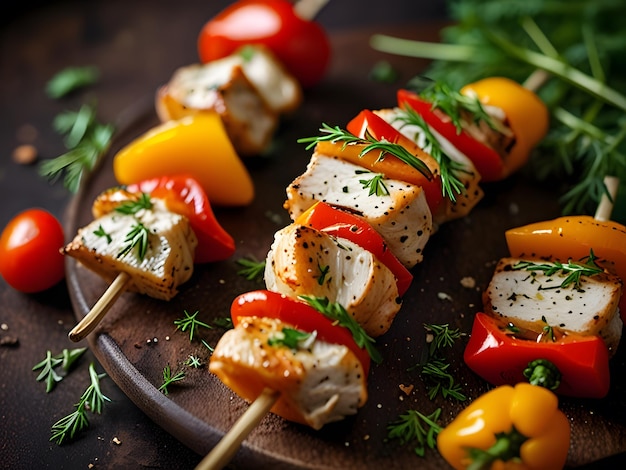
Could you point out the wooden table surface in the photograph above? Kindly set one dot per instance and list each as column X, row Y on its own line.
column 136, row 45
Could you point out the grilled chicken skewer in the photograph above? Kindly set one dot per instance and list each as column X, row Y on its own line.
column 145, row 238
column 401, row 213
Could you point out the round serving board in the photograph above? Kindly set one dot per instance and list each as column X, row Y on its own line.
column 138, row 338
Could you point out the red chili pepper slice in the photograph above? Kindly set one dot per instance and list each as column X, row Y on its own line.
column 340, row 223
column 501, row 358
column 264, row 303
column 487, row 161
column 184, row 195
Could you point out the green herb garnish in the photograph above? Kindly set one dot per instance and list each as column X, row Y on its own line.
column 190, row 322
column 169, row 379
column 252, row 269
column 132, row 207
column 573, row 270
column 70, row 79
column 86, row 140
column 337, row 135
column 289, row 338
column 336, row 312
column 451, row 185
column 66, row 359
column 415, row 427
column 136, row 238
column 92, row 399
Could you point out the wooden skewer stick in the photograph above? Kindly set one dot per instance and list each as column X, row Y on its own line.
column 100, row 308
column 308, row 9
column 603, row 212
column 224, row 451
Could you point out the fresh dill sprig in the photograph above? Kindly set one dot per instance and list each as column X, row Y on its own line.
column 190, row 322
column 572, row 270
column 66, row 360
column 337, row 135
column 451, row 185
column 169, row 379
column 193, row 361
column 433, row 366
column 100, row 232
column 136, row 238
column 86, row 141
column 336, row 312
column 92, row 399
column 417, row 429
column 134, row 206
column 252, row 269
column 451, row 102
column 376, row 185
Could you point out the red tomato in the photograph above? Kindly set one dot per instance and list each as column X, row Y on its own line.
column 301, row 45
column 30, row 260
column 487, row 161
column 185, row 196
column 264, row 303
column 340, row 223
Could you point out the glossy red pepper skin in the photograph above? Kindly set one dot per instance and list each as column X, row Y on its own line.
column 368, row 122
column 340, row 223
column 301, row 45
column 487, row 161
column 500, row 358
column 184, row 195
column 300, row 315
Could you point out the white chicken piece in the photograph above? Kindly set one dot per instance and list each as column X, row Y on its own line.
column 467, row 173
column 400, row 213
column 108, row 246
column 523, row 297
column 319, row 382
column 250, row 89
column 305, row 261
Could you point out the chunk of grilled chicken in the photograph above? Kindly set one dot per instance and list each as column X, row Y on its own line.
column 523, row 297
column 319, row 382
column 466, row 173
column 102, row 246
column 402, row 217
column 249, row 122
column 250, row 89
column 305, row 261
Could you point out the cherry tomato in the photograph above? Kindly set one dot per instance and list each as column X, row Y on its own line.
column 30, row 260
column 340, row 223
column 301, row 45
column 264, row 303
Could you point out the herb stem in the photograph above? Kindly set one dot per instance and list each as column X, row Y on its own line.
column 562, row 70
column 424, row 49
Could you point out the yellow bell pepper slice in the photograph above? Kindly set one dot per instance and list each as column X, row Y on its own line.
column 508, row 427
column 526, row 115
column 196, row 145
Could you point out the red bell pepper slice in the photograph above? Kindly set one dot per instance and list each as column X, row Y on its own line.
column 184, row 195
column 340, row 223
column 369, row 123
column 487, row 161
column 300, row 315
column 501, row 358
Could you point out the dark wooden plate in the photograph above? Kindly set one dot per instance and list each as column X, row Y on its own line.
column 138, row 338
